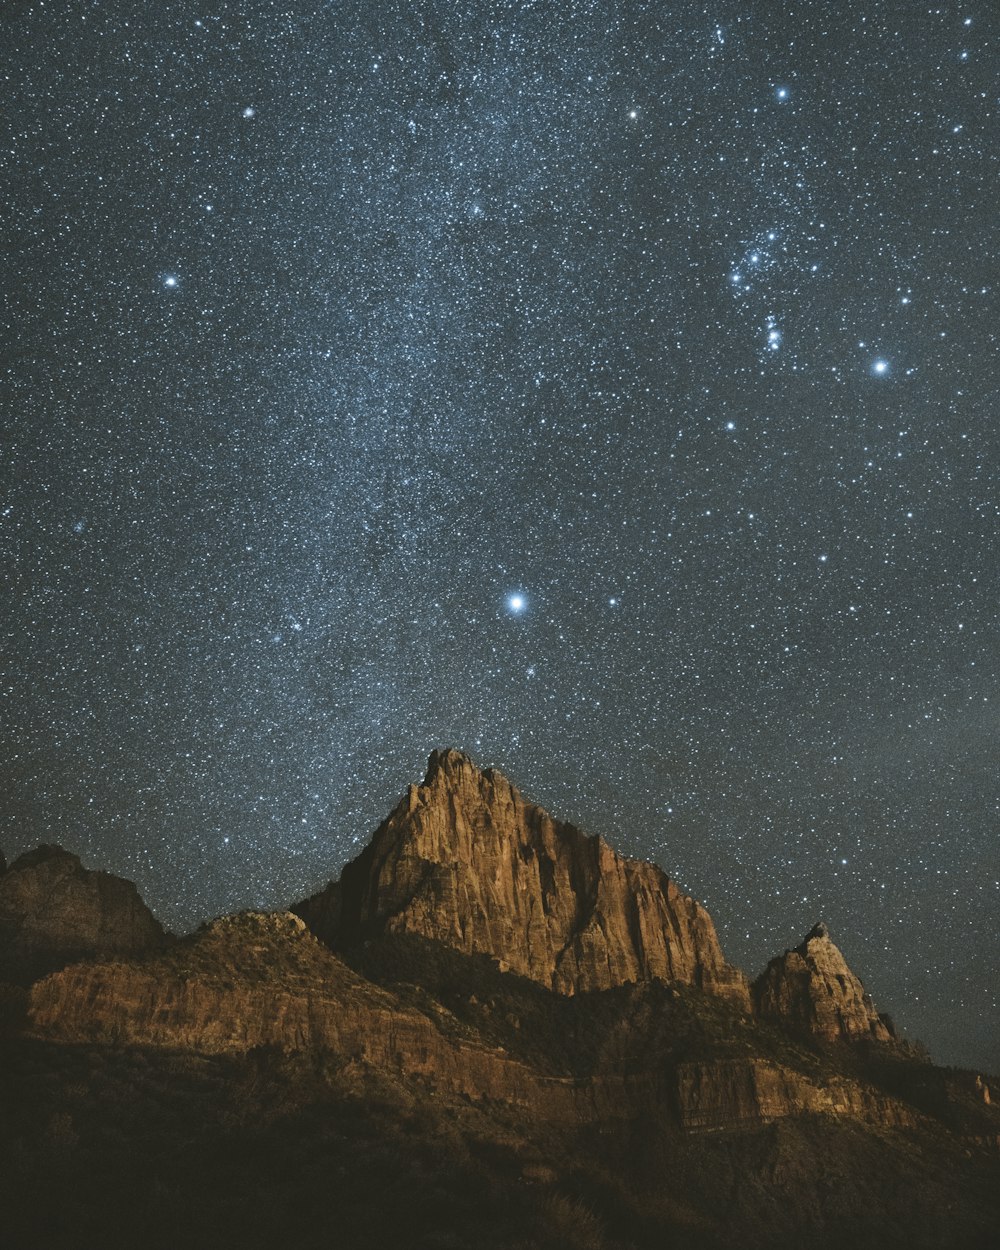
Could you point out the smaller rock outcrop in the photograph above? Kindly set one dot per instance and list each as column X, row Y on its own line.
column 812, row 988
column 727, row 1094
column 53, row 912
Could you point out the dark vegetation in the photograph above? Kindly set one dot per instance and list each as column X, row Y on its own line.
column 125, row 1147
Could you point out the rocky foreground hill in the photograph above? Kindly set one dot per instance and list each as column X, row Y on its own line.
column 491, row 1031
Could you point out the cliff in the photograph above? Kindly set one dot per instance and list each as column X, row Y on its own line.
column 251, row 1079
column 257, row 980
column 812, row 988
column 53, row 911
column 466, row 861
column 262, row 980
column 732, row 1094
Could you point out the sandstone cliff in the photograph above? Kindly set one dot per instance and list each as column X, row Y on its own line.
column 53, row 911
column 812, row 988
column 730, row 1094
column 466, row 861
column 263, row 980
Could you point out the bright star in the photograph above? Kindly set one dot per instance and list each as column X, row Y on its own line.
column 516, row 603
column 880, row 367
column 249, row 112
column 171, row 280
column 781, row 93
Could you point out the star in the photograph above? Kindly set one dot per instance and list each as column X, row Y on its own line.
column 352, row 371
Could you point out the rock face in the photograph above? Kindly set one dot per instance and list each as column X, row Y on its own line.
column 262, row 979
column 812, row 988
column 729, row 1094
column 53, row 911
column 464, row 860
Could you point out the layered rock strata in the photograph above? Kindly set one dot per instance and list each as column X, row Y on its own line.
column 53, row 911
column 812, row 988
column 730, row 1094
column 466, row 861
column 261, row 979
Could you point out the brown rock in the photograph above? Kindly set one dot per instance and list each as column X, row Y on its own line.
column 262, row 979
column 812, row 988
column 53, row 911
column 729, row 1094
column 466, row 861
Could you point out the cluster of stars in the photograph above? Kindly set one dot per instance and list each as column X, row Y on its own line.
column 605, row 391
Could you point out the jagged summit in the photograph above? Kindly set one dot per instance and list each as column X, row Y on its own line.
column 811, row 986
column 447, row 758
column 466, row 861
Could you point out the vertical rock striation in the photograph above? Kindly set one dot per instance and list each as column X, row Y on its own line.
column 53, row 911
column 466, row 861
column 812, row 988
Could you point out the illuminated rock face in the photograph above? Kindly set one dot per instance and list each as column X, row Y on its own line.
column 466, row 861
column 811, row 987
column 53, row 912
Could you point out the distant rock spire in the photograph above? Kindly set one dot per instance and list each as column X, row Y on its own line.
column 812, row 987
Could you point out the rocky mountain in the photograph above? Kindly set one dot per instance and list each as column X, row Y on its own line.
column 53, row 912
column 492, row 1031
column 263, row 980
column 813, row 988
column 466, row 861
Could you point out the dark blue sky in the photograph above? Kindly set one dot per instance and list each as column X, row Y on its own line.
column 331, row 328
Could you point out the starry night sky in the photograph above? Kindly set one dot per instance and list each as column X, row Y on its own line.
column 607, row 390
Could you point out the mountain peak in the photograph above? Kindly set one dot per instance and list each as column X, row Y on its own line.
column 813, row 986
column 53, row 911
column 448, row 759
column 46, row 852
column 466, row 861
